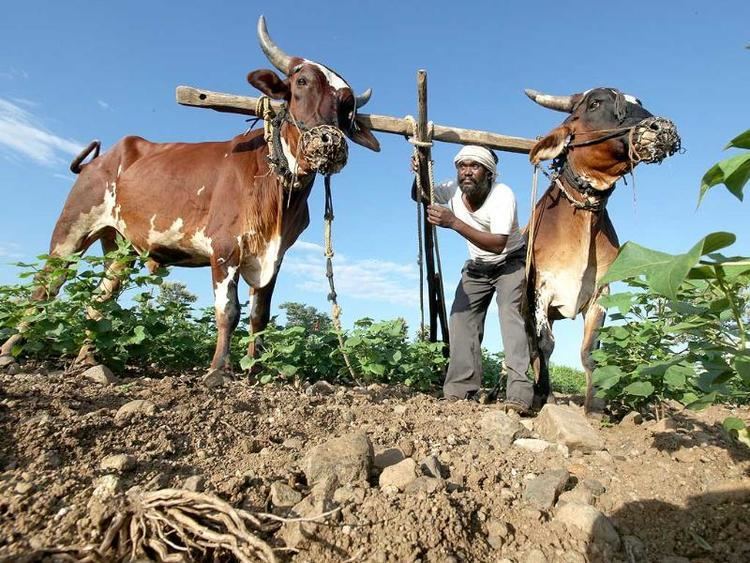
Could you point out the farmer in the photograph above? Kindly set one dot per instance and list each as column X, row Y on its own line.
column 484, row 213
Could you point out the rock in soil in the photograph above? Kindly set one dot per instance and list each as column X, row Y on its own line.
column 100, row 374
column 568, row 426
column 348, row 458
column 139, row 406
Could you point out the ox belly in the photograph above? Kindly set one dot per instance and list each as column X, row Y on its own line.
column 565, row 292
column 259, row 265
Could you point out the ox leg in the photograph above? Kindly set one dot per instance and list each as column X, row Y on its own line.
column 47, row 285
column 260, row 314
column 593, row 320
column 227, row 307
column 546, row 345
column 108, row 288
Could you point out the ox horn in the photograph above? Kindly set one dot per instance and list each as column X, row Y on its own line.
column 559, row 103
column 278, row 58
column 363, row 98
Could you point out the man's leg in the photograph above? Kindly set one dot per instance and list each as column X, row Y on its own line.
column 510, row 287
column 473, row 296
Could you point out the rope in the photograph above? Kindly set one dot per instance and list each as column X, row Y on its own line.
column 420, row 194
column 532, row 224
column 335, row 308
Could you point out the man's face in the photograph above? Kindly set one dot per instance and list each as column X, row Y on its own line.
column 472, row 177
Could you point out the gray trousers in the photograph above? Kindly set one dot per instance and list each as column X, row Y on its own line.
column 468, row 313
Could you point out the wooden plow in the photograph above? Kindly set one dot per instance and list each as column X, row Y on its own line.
column 421, row 134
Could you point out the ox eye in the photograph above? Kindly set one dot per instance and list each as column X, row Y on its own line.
column 301, row 81
column 594, row 104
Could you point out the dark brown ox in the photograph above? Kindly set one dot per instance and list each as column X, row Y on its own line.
column 218, row 204
column 574, row 242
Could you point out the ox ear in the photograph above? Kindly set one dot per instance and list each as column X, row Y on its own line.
column 551, row 145
column 268, row 82
column 364, row 137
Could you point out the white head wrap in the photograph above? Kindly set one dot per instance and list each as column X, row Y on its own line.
column 478, row 154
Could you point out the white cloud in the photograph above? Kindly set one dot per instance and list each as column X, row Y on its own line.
column 102, row 104
column 14, row 73
column 370, row 279
column 22, row 135
column 10, row 250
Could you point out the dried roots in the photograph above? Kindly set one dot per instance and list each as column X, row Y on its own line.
column 174, row 525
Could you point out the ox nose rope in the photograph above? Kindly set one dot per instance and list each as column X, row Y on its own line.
column 335, row 308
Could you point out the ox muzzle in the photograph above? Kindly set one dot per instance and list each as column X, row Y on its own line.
column 653, row 140
column 324, row 148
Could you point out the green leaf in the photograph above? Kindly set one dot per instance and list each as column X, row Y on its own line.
column 377, row 369
column 664, row 272
column 288, row 370
column 397, row 355
column 733, row 172
column 703, row 402
column 731, row 423
column 639, row 389
column 265, row 379
column 247, row 362
column 741, row 365
column 741, row 141
column 676, row 376
column 622, row 301
column 139, row 335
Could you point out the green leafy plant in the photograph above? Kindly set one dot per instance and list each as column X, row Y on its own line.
column 682, row 334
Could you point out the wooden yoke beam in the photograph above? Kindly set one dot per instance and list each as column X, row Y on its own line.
column 229, row 103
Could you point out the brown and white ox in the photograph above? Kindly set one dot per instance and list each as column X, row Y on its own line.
column 574, row 242
column 217, row 204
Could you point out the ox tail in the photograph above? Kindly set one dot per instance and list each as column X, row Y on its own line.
column 76, row 166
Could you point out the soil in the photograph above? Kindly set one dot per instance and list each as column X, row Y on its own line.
column 674, row 491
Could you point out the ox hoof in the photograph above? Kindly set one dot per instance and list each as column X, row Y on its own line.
column 7, row 361
column 215, row 378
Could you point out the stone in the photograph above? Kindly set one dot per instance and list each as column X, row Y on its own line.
column 535, row 556
column 498, row 533
column 674, row 559
column 431, row 467
column 634, row 548
column 580, row 495
column 6, row 361
column 194, row 483
column 100, row 374
column 387, row 457
column 349, row 458
column 214, row 378
column 284, row 496
column 567, row 426
column 587, row 521
column 321, row 387
column 501, row 428
column 596, row 487
column 22, row 487
column 319, row 501
column 633, row 418
column 664, row 425
column 139, row 406
column 293, row 443
column 542, row 491
column 399, row 475
column 427, row 485
column 99, row 508
column 13, row 369
column 532, row 445
column 118, row 462
column 407, row 447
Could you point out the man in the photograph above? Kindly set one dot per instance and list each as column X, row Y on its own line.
column 484, row 213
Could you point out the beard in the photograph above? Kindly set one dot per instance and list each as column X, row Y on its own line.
column 473, row 190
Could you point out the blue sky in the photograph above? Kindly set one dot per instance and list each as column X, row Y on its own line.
column 74, row 71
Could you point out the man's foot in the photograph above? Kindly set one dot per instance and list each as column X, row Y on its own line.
column 516, row 406
column 472, row 396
